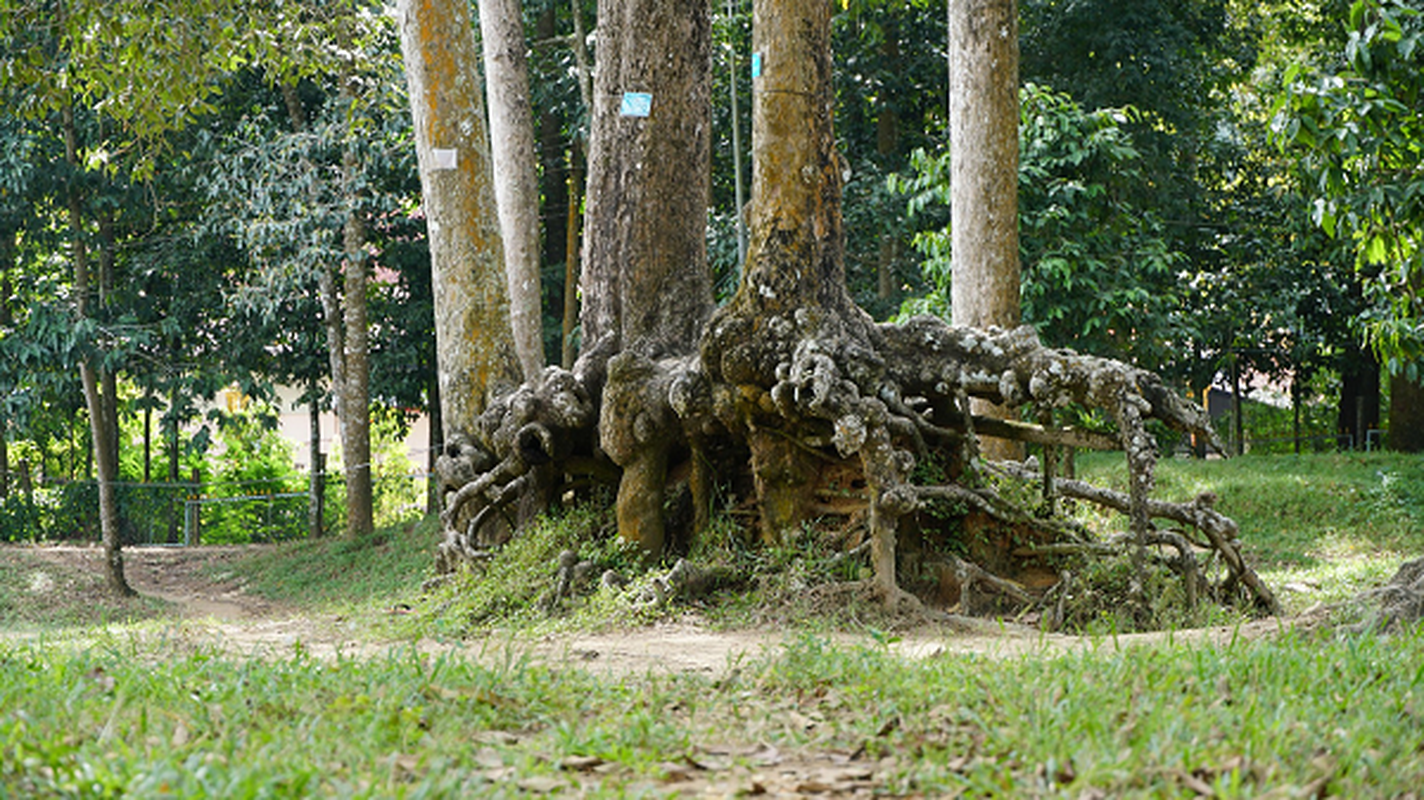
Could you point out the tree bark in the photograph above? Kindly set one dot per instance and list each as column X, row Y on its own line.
column 516, row 187
column 316, row 469
column 1406, row 414
column 984, row 117
column 474, row 342
column 7, row 260
column 355, row 411
column 568, row 351
column 644, row 279
column 647, row 292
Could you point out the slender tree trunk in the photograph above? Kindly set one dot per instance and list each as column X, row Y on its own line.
column 109, row 380
column 436, row 447
column 356, row 385
column 553, row 164
column 516, row 187
column 474, row 341
column 568, row 350
column 177, row 494
column 92, row 379
column 316, row 471
column 7, row 259
column 984, row 117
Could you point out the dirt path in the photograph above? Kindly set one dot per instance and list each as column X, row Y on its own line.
column 214, row 610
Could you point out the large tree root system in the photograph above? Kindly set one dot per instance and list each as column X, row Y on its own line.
column 863, row 430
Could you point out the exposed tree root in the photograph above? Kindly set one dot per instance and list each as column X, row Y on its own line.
column 810, row 399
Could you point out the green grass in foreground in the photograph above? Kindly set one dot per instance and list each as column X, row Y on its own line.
column 1343, row 717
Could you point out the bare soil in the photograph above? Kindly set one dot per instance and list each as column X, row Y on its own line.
column 209, row 606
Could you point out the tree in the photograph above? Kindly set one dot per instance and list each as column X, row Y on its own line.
column 516, row 189
column 824, row 419
column 146, row 71
column 1358, row 126
column 474, row 341
column 983, row 119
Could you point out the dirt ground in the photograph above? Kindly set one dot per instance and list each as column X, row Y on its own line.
column 213, row 609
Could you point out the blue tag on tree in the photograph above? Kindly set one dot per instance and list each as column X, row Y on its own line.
column 636, row 104
column 756, row 65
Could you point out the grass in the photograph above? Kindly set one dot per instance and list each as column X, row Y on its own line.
column 1333, row 713
column 1343, row 716
column 339, row 573
column 87, row 601
column 1324, row 525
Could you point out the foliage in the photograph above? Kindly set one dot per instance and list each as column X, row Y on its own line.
column 1099, row 271
column 252, row 461
column 1357, row 126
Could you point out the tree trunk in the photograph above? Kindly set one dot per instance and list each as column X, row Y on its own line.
column 567, row 347
column 984, row 118
column 90, row 374
column 316, row 481
column 647, row 291
column 645, row 284
column 516, row 187
column 474, row 342
column 355, row 386
column 793, row 283
column 7, row 260
column 553, row 164
column 1406, row 414
column 436, row 446
column 1359, row 407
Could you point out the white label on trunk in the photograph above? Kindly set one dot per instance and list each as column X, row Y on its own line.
column 444, row 158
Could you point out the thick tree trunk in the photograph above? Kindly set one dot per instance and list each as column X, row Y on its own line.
column 645, row 283
column 474, row 343
column 1406, row 414
column 516, row 187
column 793, row 283
column 984, row 118
column 646, row 287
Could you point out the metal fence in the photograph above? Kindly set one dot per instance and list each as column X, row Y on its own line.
column 196, row 512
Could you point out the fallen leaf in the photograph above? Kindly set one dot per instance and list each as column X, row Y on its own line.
column 541, row 784
column 580, row 763
column 489, row 758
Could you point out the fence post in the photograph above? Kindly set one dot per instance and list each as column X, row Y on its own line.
column 192, row 523
column 316, row 503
